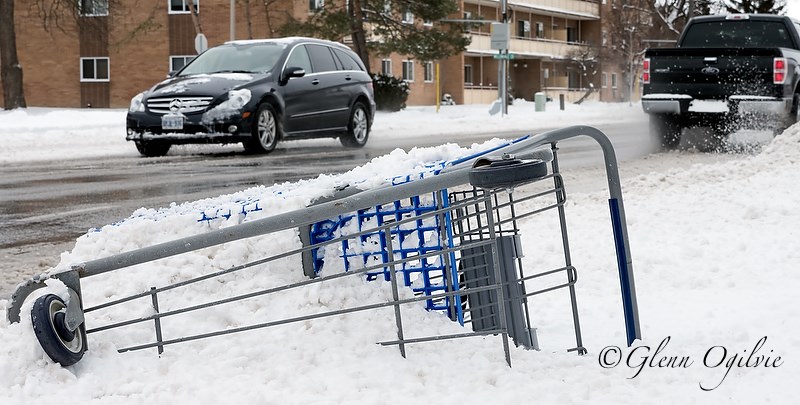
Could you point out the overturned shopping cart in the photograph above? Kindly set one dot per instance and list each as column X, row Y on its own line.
column 451, row 234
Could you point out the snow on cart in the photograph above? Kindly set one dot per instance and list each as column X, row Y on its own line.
column 445, row 237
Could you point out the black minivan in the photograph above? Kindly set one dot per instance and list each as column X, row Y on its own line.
column 257, row 92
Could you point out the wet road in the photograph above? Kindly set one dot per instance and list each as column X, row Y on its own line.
column 45, row 206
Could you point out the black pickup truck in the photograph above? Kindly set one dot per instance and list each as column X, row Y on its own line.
column 727, row 72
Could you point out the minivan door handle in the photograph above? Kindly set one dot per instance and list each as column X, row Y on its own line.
column 315, row 81
column 348, row 77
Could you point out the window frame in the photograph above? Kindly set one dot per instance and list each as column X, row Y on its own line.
column 186, row 59
column 408, row 74
column 539, row 33
column 604, row 80
column 186, row 9
column 384, row 64
column 468, row 82
column 428, row 73
column 93, row 14
column 95, row 79
column 315, row 6
column 522, row 32
column 613, row 80
column 407, row 17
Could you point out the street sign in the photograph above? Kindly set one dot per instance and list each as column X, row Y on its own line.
column 501, row 34
column 200, row 43
column 508, row 56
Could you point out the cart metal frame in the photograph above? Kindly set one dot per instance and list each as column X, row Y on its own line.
column 454, row 175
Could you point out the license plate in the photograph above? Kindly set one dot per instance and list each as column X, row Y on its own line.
column 172, row 122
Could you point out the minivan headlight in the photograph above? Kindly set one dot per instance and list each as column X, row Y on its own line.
column 136, row 103
column 237, row 99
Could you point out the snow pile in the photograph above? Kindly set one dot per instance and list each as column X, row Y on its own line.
column 714, row 251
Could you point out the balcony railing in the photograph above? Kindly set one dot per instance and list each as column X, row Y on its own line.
column 527, row 47
column 590, row 8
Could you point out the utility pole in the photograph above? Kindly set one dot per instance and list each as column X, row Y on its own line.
column 504, row 62
column 233, row 20
column 630, row 75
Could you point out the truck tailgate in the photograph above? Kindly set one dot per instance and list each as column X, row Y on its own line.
column 712, row 73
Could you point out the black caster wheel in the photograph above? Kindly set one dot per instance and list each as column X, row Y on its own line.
column 50, row 326
column 506, row 173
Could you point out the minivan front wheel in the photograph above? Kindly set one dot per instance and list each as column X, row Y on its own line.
column 265, row 131
column 358, row 127
column 152, row 148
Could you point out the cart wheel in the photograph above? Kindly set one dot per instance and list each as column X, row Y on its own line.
column 507, row 172
column 62, row 345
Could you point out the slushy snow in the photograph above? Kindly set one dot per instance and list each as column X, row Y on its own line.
column 715, row 253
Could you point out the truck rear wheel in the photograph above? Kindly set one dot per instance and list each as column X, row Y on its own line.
column 793, row 116
column 667, row 129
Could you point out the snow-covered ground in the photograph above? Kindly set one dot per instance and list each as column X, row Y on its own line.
column 45, row 133
column 715, row 252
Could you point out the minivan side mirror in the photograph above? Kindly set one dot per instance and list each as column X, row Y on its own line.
column 290, row 72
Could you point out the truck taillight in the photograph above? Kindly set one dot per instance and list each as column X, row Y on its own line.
column 779, row 70
column 646, row 71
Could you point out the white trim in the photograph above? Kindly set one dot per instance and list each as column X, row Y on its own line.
column 383, row 71
column 80, row 9
column 409, row 63
column 96, row 58
column 425, row 67
column 187, row 11
column 604, row 80
column 318, row 5
column 185, row 57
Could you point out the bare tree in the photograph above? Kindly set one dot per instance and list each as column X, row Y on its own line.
column 10, row 69
column 397, row 23
column 586, row 60
column 64, row 15
column 198, row 27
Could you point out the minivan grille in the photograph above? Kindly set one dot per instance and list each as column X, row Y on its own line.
column 186, row 105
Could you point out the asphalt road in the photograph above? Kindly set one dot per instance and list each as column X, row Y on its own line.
column 45, row 206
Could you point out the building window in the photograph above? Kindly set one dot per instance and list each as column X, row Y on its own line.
column 429, row 71
column 468, row 74
column 386, row 67
column 467, row 15
column 539, row 30
column 523, row 28
column 315, row 5
column 613, row 80
column 427, row 23
column 604, row 80
column 408, row 70
column 94, row 70
column 182, row 6
column 605, row 38
column 408, row 17
column 572, row 34
column 178, row 62
column 91, row 8
column 573, row 80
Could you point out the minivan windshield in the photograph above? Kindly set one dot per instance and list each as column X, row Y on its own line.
column 737, row 34
column 235, row 58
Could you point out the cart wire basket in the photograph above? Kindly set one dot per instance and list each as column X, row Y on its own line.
column 450, row 233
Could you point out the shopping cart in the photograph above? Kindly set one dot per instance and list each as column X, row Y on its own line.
column 450, row 233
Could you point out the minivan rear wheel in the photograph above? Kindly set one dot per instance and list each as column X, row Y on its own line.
column 265, row 131
column 357, row 128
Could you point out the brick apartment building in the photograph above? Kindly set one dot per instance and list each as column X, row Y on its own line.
column 112, row 50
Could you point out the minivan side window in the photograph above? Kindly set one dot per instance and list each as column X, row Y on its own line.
column 347, row 61
column 321, row 58
column 299, row 58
